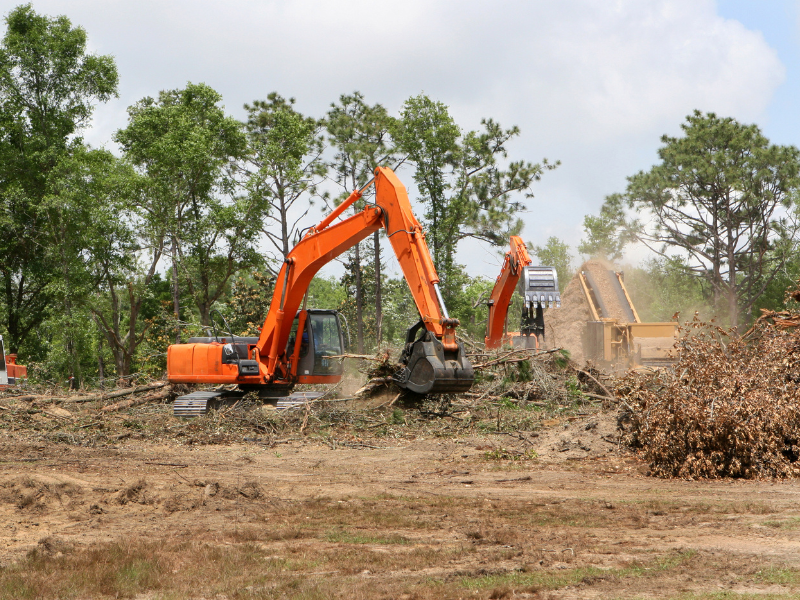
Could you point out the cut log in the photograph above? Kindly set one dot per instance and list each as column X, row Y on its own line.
column 119, row 393
column 371, row 385
column 133, row 402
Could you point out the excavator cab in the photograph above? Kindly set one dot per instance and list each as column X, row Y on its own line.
column 320, row 340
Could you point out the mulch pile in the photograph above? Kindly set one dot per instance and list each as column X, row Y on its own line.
column 729, row 407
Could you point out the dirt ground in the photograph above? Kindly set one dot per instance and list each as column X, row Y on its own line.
column 559, row 512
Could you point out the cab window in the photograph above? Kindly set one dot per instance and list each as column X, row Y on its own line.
column 327, row 342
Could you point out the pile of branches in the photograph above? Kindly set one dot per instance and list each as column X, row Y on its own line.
column 539, row 377
column 151, row 392
column 729, row 408
column 520, row 376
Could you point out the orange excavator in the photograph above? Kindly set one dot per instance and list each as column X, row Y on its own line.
column 297, row 344
column 538, row 287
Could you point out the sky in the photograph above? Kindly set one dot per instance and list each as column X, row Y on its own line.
column 594, row 84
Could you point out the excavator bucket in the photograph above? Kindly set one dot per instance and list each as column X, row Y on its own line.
column 430, row 369
column 539, row 287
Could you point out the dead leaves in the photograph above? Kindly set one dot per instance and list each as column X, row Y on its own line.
column 728, row 409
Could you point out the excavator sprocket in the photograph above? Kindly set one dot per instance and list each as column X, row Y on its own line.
column 430, row 369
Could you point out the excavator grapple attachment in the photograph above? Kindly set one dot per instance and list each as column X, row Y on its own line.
column 431, row 369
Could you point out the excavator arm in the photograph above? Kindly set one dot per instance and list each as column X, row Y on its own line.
column 538, row 287
column 503, row 291
column 435, row 362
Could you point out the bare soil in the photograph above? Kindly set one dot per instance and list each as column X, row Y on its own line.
column 557, row 511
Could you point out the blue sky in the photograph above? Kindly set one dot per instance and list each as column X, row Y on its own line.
column 779, row 22
column 593, row 84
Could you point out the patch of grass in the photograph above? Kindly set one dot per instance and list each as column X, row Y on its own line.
column 787, row 524
column 137, row 574
column 545, row 579
column 555, row 579
column 507, row 404
column 509, row 454
column 729, row 595
column 348, row 537
column 13, row 586
column 778, row 576
column 704, row 508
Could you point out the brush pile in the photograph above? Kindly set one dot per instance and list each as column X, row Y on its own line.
column 526, row 376
column 729, row 408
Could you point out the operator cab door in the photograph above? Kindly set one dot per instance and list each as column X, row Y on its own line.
column 321, row 339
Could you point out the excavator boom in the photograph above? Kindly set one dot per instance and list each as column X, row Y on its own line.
column 503, row 291
column 538, row 287
column 433, row 363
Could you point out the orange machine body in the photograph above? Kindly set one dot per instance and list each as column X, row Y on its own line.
column 15, row 372
column 502, row 293
column 200, row 363
column 267, row 360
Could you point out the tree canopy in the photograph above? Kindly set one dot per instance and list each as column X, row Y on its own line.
column 721, row 196
column 49, row 85
column 467, row 189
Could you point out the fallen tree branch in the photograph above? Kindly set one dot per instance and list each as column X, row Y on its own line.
column 505, row 358
column 360, row 356
column 599, row 397
column 602, row 387
column 26, row 398
column 371, row 385
column 134, row 402
column 119, row 393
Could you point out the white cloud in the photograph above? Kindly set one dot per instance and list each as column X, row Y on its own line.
column 594, row 84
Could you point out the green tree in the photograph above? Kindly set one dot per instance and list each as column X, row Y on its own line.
column 125, row 257
column 608, row 233
column 48, row 87
column 555, row 253
column 466, row 190
column 360, row 135
column 90, row 236
column 285, row 165
column 250, row 298
column 719, row 196
column 398, row 310
column 186, row 146
column 471, row 311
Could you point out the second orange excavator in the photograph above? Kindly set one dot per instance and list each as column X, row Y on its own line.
column 296, row 344
column 538, row 287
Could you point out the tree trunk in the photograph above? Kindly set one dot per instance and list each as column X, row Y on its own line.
column 205, row 313
column 176, row 302
column 733, row 305
column 732, row 288
column 101, row 370
column 12, row 325
column 359, row 302
column 378, row 310
column 284, row 224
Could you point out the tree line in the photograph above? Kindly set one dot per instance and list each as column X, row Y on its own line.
column 720, row 214
column 105, row 259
